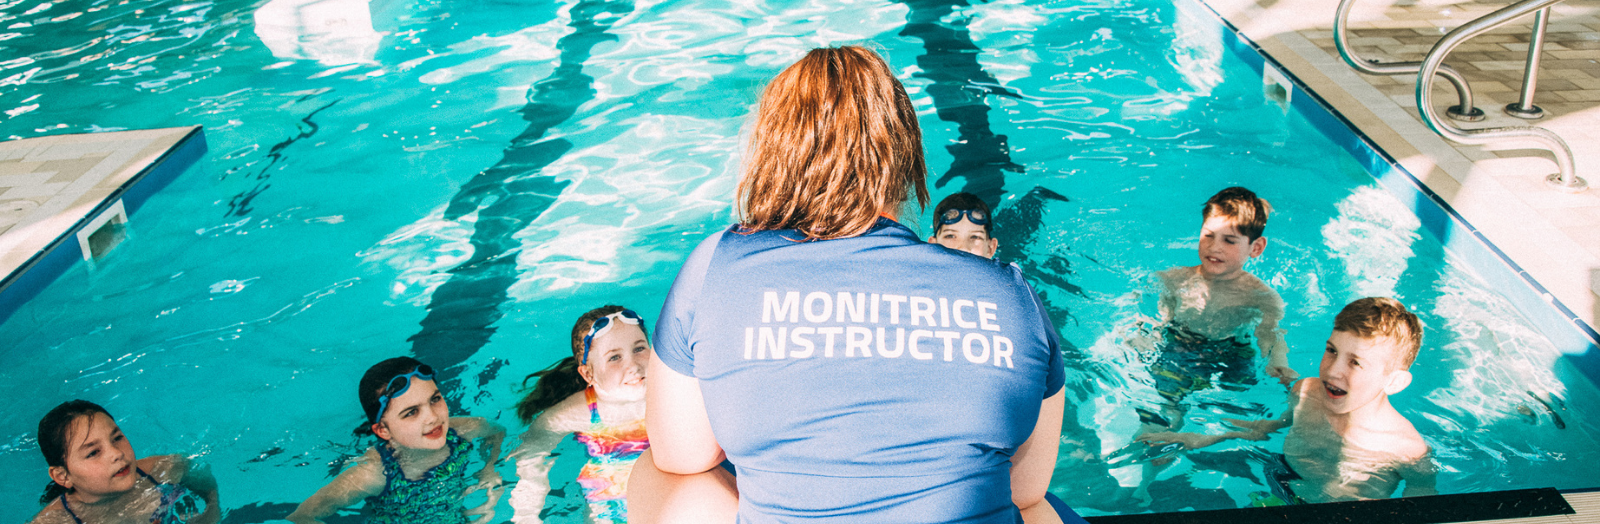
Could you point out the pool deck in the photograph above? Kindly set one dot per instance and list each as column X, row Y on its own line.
column 50, row 187
column 1498, row 188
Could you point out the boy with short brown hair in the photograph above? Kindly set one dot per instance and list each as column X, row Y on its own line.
column 1215, row 310
column 1345, row 441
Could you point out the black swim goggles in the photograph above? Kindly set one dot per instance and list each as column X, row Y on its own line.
column 398, row 386
column 604, row 323
column 976, row 216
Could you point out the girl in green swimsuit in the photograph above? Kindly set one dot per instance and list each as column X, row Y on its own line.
column 418, row 473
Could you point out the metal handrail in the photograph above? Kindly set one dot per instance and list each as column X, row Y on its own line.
column 1463, row 111
column 1524, row 108
column 1567, row 180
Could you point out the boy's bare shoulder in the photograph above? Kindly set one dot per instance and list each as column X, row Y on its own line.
column 1393, row 434
column 1409, row 443
column 1257, row 291
column 1300, row 387
column 1251, row 282
column 1174, row 277
column 1175, row 273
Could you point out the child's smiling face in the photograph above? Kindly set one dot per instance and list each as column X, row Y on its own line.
column 616, row 363
column 417, row 419
column 1224, row 250
column 1357, row 370
column 966, row 236
column 99, row 462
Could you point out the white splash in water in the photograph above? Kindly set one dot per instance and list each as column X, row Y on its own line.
column 1372, row 235
column 530, row 45
column 231, row 286
column 422, row 253
column 1496, row 357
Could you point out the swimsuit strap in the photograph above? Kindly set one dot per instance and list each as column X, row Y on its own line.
column 594, row 405
column 69, row 509
column 74, row 515
column 166, row 511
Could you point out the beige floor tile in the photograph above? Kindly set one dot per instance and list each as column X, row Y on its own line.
column 25, row 179
column 33, row 190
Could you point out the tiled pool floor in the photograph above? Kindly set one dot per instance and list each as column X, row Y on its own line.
column 1498, row 188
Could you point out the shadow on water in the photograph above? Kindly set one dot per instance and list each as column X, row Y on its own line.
column 958, row 90
column 507, row 197
column 981, row 158
column 239, row 205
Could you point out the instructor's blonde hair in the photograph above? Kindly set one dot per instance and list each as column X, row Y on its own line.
column 835, row 143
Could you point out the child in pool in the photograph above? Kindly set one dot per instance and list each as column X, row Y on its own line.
column 1213, row 311
column 96, row 478
column 597, row 394
column 1210, row 315
column 962, row 222
column 418, row 473
column 1345, row 441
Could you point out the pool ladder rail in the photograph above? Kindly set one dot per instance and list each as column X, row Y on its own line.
column 1433, row 65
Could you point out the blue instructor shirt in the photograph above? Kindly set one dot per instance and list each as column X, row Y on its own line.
column 876, row 378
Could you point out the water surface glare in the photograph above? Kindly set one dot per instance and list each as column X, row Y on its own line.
column 460, row 182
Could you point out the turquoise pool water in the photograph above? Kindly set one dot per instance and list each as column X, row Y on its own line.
column 461, row 182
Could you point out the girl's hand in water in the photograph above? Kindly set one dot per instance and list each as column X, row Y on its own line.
column 1189, row 440
column 1254, row 429
column 490, row 483
column 1283, row 373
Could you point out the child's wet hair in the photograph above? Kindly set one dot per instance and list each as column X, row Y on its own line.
column 1383, row 317
column 54, row 430
column 375, row 383
column 562, row 379
column 1246, row 211
column 962, row 201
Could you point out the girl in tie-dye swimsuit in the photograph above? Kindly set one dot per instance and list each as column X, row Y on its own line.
column 95, row 476
column 597, row 395
column 612, row 450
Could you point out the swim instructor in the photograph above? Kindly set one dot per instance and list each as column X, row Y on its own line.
column 852, row 372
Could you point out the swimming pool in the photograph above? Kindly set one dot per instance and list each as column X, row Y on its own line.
column 462, row 184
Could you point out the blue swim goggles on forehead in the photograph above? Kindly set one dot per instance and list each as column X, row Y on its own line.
column 398, row 386
column 976, row 216
column 602, row 324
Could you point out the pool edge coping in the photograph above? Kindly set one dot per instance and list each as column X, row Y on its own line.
column 60, row 253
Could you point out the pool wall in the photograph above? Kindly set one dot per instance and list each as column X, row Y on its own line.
column 1566, row 330
column 61, row 253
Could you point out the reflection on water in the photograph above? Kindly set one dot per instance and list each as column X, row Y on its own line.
column 494, row 172
column 1372, row 238
column 333, row 32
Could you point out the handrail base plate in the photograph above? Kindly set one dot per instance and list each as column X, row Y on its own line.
column 1578, row 185
column 1455, row 113
column 1532, row 113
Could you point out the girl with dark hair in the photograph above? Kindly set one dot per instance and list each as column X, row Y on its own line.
column 597, row 395
column 95, row 476
column 418, row 472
